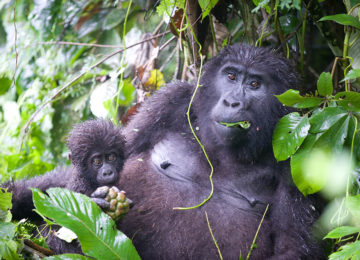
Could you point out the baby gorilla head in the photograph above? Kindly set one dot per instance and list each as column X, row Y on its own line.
column 97, row 151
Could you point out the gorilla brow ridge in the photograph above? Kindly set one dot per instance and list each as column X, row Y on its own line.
column 91, row 135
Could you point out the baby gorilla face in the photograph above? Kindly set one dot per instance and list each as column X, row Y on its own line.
column 105, row 167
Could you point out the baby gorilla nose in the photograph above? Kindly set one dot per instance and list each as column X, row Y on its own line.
column 108, row 172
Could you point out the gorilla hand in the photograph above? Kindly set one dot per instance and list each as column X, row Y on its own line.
column 112, row 201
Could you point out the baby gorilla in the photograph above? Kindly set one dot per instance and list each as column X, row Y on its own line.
column 97, row 154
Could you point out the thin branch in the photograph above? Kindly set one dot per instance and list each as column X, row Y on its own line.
column 16, row 52
column 166, row 43
column 168, row 58
column 42, row 250
column 25, row 129
column 81, row 44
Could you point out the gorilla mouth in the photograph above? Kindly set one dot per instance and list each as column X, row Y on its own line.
column 241, row 124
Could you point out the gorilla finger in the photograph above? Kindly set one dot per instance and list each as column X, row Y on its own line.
column 103, row 204
column 131, row 203
column 100, row 192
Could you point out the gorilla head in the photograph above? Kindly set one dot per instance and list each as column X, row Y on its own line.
column 236, row 106
column 97, row 151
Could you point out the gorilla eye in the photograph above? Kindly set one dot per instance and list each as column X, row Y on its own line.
column 97, row 161
column 254, row 84
column 231, row 76
column 111, row 157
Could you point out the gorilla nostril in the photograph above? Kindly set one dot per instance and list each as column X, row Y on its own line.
column 235, row 104
column 226, row 103
column 108, row 173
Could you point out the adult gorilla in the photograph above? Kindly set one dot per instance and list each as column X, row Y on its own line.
column 166, row 167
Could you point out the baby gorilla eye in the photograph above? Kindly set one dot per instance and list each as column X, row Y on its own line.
column 255, row 84
column 97, row 161
column 231, row 76
column 111, row 157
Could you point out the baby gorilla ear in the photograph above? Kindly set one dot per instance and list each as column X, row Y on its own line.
column 70, row 157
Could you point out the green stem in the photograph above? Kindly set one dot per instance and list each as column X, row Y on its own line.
column 302, row 41
column 213, row 33
column 346, row 50
column 257, row 233
column 259, row 41
column 353, row 8
column 121, row 85
column 192, row 129
column 213, row 237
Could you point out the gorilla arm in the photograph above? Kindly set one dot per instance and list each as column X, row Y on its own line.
column 22, row 204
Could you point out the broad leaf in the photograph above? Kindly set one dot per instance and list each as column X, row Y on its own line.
column 5, row 200
column 340, row 232
column 288, row 23
column 5, row 84
column 207, row 6
column 352, row 203
column 352, row 74
column 326, row 118
column 292, row 98
column 324, row 84
column 343, row 19
column 306, row 182
column 333, row 139
column 346, row 252
column 67, row 257
column 289, row 134
column 8, row 250
column 97, row 233
column 349, row 99
column 7, row 230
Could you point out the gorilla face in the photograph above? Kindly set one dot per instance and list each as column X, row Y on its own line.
column 240, row 91
column 105, row 167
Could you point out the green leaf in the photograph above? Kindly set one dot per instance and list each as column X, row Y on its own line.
column 3, row 35
column 326, row 118
column 288, row 23
column 67, row 257
column 324, row 84
column 7, row 230
column 207, row 6
column 349, row 99
column 8, row 250
column 5, row 84
column 292, row 98
column 97, row 233
column 343, row 19
column 340, row 232
column 346, row 252
column 305, row 181
column 5, row 200
column 352, row 74
column 242, row 124
column 289, row 134
column 353, row 204
column 114, row 18
column 333, row 139
column 128, row 93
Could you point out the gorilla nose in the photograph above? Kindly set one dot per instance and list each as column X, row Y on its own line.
column 231, row 103
column 108, row 173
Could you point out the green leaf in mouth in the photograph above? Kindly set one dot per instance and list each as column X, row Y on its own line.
column 242, row 124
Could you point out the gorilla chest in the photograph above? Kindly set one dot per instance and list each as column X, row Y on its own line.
column 181, row 165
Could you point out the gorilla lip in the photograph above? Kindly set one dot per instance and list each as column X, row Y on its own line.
column 241, row 124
